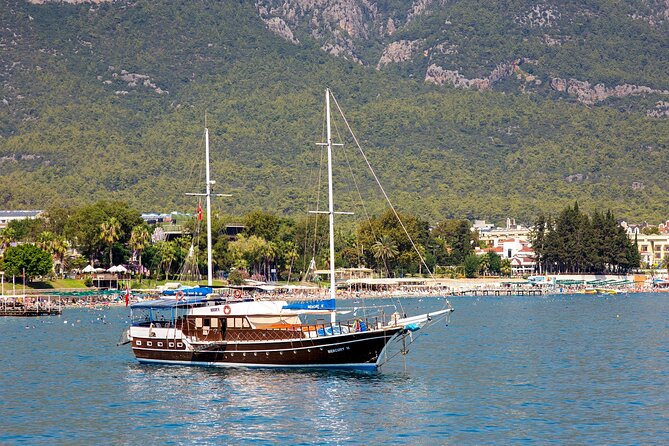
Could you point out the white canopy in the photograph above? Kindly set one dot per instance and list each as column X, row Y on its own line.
column 88, row 269
column 121, row 269
column 117, row 269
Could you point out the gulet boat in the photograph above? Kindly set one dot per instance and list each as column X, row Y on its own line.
column 212, row 330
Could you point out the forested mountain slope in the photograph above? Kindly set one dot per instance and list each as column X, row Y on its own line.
column 466, row 109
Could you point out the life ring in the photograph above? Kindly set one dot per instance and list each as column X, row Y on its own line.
column 179, row 295
column 227, row 309
column 238, row 294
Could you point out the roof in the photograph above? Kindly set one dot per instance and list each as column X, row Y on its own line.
column 19, row 214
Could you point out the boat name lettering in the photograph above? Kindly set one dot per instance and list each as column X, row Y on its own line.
column 337, row 350
column 214, row 310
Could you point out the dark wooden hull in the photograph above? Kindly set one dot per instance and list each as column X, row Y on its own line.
column 360, row 350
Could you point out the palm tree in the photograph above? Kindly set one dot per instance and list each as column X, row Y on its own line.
column 291, row 255
column 7, row 236
column 55, row 245
column 167, row 252
column 110, row 232
column 505, row 268
column 44, row 240
column 385, row 249
column 139, row 240
column 484, row 264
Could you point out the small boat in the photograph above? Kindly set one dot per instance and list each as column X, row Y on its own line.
column 233, row 331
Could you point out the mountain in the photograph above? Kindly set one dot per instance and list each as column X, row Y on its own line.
column 473, row 109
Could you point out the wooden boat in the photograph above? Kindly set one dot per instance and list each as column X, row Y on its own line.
column 231, row 331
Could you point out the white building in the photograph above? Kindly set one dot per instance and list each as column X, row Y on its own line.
column 7, row 217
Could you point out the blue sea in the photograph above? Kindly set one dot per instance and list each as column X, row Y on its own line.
column 572, row 369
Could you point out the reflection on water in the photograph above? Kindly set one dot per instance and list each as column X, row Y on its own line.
column 556, row 369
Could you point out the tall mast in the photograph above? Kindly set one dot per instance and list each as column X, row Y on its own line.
column 333, row 286
column 207, row 194
column 210, row 274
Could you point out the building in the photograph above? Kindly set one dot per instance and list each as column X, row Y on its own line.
column 517, row 250
column 7, row 217
column 652, row 248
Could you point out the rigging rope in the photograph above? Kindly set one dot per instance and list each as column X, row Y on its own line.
column 378, row 182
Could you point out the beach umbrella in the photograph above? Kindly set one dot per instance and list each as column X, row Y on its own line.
column 88, row 269
column 121, row 269
column 113, row 269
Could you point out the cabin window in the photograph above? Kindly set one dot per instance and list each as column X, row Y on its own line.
column 198, row 322
column 238, row 322
column 206, row 322
column 214, row 323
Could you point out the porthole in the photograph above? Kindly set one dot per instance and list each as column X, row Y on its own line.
column 138, row 343
column 179, row 344
column 149, row 343
column 160, row 344
column 171, row 344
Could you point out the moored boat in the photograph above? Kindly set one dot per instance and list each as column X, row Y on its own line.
column 222, row 331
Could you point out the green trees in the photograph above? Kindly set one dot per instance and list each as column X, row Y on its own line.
column 385, row 249
column 577, row 243
column 84, row 227
column 471, row 265
column 139, row 240
column 110, row 233
column 385, row 246
column 26, row 258
column 55, row 245
column 457, row 240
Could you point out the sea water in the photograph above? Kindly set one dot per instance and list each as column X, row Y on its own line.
column 571, row 369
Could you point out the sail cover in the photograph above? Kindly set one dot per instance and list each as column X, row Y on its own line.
column 328, row 304
column 195, row 291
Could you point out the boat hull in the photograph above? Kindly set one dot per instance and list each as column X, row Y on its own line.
column 360, row 351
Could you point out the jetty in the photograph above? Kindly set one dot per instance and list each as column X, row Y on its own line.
column 29, row 306
column 500, row 292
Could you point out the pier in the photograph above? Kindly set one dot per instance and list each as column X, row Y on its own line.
column 29, row 306
column 501, row 292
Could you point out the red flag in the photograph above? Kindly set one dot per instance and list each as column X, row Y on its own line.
column 127, row 295
column 199, row 211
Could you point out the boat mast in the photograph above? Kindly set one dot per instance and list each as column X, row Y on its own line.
column 333, row 287
column 210, row 275
column 207, row 194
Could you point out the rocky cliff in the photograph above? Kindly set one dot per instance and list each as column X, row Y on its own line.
column 448, row 43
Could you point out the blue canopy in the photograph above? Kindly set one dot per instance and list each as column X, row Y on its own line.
column 328, row 304
column 167, row 303
column 194, row 291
